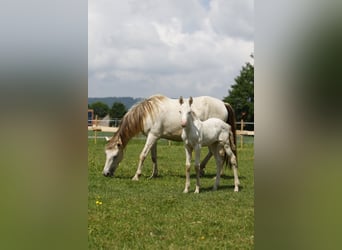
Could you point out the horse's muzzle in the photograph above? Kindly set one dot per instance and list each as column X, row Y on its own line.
column 107, row 174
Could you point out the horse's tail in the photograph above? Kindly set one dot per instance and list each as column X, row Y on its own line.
column 231, row 120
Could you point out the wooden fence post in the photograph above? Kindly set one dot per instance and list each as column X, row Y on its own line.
column 95, row 130
column 241, row 135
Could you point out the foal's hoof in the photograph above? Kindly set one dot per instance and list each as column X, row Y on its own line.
column 236, row 189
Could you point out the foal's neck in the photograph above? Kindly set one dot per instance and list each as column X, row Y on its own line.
column 194, row 121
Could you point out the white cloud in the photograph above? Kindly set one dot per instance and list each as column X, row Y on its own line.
column 233, row 18
column 139, row 48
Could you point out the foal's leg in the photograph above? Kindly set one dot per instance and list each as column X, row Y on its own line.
column 188, row 154
column 233, row 163
column 197, row 168
column 154, row 161
column 150, row 141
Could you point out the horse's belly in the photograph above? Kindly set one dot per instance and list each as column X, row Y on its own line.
column 173, row 134
column 172, row 137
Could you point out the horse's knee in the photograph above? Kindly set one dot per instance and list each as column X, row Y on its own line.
column 142, row 157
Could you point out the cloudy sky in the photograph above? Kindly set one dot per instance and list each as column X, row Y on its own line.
column 174, row 47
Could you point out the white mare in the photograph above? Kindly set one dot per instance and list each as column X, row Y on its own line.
column 213, row 133
column 158, row 117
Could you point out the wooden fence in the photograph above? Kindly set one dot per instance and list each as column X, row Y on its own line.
column 98, row 128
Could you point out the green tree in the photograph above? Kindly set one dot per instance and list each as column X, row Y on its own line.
column 100, row 109
column 118, row 110
column 241, row 95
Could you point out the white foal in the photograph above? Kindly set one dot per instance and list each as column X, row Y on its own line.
column 215, row 134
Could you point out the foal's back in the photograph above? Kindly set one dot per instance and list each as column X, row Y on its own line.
column 213, row 130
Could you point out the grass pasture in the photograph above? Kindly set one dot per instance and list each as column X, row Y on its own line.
column 155, row 214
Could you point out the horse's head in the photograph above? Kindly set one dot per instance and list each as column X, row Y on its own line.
column 185, row 111
column 114, row 155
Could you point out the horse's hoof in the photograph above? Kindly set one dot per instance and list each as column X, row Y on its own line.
column 135, row 178
column 153, row 176
column 236, row 189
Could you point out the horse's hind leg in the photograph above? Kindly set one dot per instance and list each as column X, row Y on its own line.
column 219, row 166
column 154, row 161
column 204, row 162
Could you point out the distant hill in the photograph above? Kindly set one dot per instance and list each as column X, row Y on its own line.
column 127, row 101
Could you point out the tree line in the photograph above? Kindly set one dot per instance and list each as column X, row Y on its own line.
column 240, row 96
column 118, row 110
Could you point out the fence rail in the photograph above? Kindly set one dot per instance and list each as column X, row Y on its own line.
column 117, row 122
column 100, row 128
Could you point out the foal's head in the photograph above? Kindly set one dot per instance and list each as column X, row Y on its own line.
column 185, row 111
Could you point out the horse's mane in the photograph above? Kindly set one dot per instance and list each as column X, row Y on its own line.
column 133, row 121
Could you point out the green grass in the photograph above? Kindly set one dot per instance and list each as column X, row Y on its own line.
column 155, row 214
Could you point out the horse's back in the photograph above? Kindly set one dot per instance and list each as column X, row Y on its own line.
column 166, row 123
column 207, row 107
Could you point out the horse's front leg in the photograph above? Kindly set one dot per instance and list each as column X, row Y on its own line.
column 150, row 141
column 154, row 161
column 188, row 155
column 197, row 167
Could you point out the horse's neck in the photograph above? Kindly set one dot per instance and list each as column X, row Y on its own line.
column 127, row 131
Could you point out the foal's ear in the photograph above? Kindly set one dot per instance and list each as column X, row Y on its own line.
column 181, row 100
column 190, row 100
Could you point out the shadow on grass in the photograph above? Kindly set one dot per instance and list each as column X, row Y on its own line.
column 224, row 176
column 220, row 187
column 206, row 176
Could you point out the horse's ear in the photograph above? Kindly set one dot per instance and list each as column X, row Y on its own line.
column 190, row 100
column 181, row 100
column 119, row 143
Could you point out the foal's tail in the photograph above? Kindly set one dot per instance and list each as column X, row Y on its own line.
column 232, row 145
column 232, row 122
